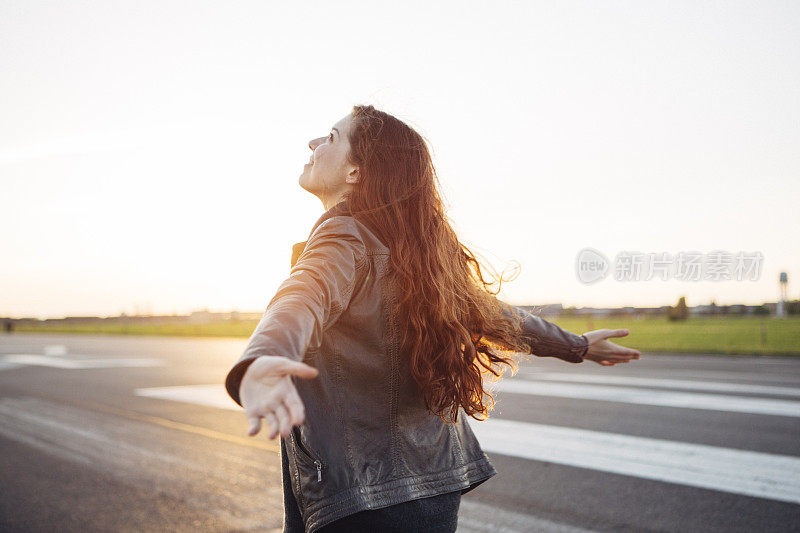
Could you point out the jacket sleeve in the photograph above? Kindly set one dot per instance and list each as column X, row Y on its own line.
column 309, row 301
column 548, row 339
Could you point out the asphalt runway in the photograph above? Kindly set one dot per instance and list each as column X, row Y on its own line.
column 116, row 433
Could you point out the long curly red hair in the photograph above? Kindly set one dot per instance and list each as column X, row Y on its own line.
column 455, row 332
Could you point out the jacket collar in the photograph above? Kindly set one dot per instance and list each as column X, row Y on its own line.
column 341, row 208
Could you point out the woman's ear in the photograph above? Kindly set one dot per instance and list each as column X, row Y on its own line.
column 353, row 177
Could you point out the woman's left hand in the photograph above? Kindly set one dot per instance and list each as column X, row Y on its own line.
column 605, row 352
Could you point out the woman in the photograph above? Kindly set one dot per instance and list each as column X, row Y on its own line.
column 389, row 327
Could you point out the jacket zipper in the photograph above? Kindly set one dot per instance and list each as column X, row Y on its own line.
column 317, row 462
column 319, row 470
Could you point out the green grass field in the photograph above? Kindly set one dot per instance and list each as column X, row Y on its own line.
column 733, row 335
column 729, row 335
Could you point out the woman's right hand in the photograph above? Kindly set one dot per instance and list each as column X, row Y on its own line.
column 267, row 392
column 604, row 352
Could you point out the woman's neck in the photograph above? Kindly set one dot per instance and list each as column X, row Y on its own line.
column 328, row 203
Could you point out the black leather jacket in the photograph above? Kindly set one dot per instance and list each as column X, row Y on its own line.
column 367, row 440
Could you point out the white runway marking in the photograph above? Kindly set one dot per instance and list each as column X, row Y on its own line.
column 684, row 384
column 763, row 475
column 783, row 379
column 154, row 457
column 75, row 364
column 55, row 349
column 756, row 474
column 141, row 453
column 687, row 400
column 208, row 395
column 478, row 517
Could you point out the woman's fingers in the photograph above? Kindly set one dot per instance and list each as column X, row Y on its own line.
column 620, row 352
column 616, row 333
column 611, row 361
column 627, row 352
column 284, row 426
column 267, row 392
column 299, row 369
column 297, row 411
column 270, row 370
column 255, row 425
column 272, row 421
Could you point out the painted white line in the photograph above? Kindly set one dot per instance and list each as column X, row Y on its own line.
column 11, row 348
column 791, row 379
column 78, row 364
column 668, row 383
column 687, row 400
column 750, row 473
column 477, row 517
column 216, row 396
column 55, row 350
column 762, row 475
column 152, row 456
column 208, row 395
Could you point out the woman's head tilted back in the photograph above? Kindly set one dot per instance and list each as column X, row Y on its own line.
column 453, row 323
column 329, row 172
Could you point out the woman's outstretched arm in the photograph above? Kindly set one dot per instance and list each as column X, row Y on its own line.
column 309, row 300
column 549, row 340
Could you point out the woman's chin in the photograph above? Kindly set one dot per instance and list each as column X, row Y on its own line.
column 305, row 182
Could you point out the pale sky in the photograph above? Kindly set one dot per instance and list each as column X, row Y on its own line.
column 150, row 151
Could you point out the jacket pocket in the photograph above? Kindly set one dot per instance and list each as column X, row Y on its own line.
column 306, row 452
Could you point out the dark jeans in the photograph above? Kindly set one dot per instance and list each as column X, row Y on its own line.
column 435, row 514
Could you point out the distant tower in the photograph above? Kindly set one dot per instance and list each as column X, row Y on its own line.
column 784, row 280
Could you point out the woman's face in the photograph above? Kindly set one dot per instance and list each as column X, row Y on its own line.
column 328, row 174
